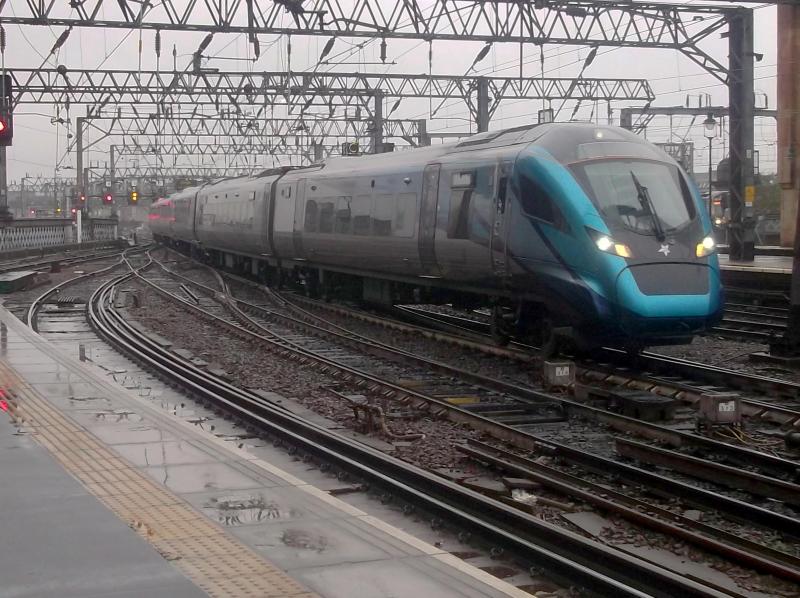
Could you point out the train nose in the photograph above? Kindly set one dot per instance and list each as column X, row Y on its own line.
column 659, row 290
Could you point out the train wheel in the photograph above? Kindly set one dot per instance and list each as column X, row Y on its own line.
column 550, row 342
column 501, row 335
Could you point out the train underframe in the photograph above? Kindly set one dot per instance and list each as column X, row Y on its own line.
column 511, row 318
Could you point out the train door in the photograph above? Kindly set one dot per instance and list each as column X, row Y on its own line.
column 283, row 219
column 299, row 219
column 499, row 253
column 427, row 219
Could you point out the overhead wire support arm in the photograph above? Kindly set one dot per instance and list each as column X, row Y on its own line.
column 43, row 86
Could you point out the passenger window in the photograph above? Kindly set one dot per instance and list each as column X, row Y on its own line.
column 382, row 212
column 537, row 203
column 405, row 210
column 480, row 212
column 326, row 217
column 462, row 186
column 343, row 220
column 361, row 208
column 310, row 225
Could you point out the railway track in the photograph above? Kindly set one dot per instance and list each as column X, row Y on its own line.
column 570, row 558
column 310, row 350
column 764, row 398
column 752, row 322
column 40, row 264
column 34, row 309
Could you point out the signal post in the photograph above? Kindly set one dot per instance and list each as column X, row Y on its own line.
column 6, row 135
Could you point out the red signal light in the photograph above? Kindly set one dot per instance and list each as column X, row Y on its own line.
column 74, row 210
column 3, row 125
column 108, row 198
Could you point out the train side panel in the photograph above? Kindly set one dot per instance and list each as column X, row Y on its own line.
column 369, row 222
column 233, row 215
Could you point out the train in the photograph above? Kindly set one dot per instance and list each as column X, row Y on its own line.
column 569, row 234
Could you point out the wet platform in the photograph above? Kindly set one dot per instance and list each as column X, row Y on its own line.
column 767, row 264
column 106, row 494
column 766, row 275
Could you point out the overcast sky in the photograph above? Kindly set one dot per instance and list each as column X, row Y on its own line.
column 39, row 145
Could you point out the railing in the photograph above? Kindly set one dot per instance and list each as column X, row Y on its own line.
column 40, row 232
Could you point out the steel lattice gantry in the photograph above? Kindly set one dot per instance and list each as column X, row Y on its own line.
column 590, row 22
column 648, row 113
column 483, row 95
column 680, row 27
column 190, row 129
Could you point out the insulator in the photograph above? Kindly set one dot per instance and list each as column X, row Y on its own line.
column 158, row 43
column 206, row 41
column 2, row 40
column 383, row 50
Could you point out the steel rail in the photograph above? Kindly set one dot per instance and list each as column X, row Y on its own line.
column 731, row 546
column 709, row 471
column 31, row 316
column 602, row 570
column 676, row 438
column 622, row 423
column 732, row 507
column 67, row 260
column 598, row 371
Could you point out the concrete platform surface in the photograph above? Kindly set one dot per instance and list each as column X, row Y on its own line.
column 765, row 264
column 107, row 494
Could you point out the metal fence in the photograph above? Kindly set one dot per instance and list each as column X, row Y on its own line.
column 39, row 232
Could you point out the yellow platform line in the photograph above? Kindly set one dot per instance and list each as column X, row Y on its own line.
column 203, row 551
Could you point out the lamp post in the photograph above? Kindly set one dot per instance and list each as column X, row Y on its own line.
column 710, row 125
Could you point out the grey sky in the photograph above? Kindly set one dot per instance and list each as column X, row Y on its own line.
column 39, row 145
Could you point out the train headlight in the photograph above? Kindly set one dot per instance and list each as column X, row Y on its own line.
column 607, row 244
column 706, row 247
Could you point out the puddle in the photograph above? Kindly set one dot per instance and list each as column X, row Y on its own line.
column 88, row 400
column 118, row 415
column 297, row 538
column 246, row 509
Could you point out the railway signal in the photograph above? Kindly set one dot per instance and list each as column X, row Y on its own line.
column 6, row 122
column 134, row 197
column 108, row 198
column 6, row 130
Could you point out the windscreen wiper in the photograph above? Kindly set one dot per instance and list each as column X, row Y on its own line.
column 647, row 205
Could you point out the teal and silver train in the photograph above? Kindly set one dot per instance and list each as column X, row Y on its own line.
column 565, row 231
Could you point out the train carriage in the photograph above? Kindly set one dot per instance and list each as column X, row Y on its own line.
column 584, row 229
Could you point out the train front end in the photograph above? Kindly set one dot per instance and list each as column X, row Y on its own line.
column 645, row 258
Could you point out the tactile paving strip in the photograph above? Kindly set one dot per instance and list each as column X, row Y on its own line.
column 204, row 552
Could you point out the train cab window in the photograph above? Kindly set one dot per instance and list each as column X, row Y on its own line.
column 382, row 212
column 310, row 225
column 360, row 209
column 326, row 217
column 343, row 215
column 405, row 210
column 537, row 202
column 462, row 185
